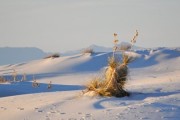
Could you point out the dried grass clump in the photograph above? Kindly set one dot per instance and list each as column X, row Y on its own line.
column 35, row 83
column 49, row 85
column 112, row 84
column 88, row 50
column 2, row 79
column 14, row 75
column 55, row 55
column 97, row 86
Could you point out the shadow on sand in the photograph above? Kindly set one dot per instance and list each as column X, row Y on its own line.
column 135, row 98
column 19, row 88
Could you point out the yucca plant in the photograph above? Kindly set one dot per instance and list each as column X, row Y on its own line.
column 115, row 77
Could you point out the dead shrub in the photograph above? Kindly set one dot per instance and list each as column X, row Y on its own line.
column 2, row 79
column 55, row 55
column 88, row 50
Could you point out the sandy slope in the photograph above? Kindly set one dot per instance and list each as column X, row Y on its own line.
column 154, row 83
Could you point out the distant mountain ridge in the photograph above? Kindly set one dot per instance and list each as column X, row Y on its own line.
column 12, row 55
column 98, row 48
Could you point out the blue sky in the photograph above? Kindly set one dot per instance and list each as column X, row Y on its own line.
column 61, row 25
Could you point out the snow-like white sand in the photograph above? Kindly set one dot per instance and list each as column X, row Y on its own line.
column 154, row 84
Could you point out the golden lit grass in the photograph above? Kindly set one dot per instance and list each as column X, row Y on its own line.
column 112, row 84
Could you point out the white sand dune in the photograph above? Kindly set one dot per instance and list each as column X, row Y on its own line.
column 154, row 84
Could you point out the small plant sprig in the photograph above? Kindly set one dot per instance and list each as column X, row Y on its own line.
column 35, row 83
column 2, row 79
column 88, row 50
column 23, row 77
column 14, row 75
column 133, row 41
column 115, row 43
column 55, row 55
column 49, row 85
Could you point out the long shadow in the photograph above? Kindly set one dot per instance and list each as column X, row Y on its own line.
column 20, row 88
column 94, row 64
column 132, row 98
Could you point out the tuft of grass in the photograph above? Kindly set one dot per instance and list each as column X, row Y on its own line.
column 133, row 41
column 55, row 55
column 23, row 77
column 113, row 82
column 49, row 85
column 14, row 75
column 88, row 50
column 35, row 83
column 2, row 79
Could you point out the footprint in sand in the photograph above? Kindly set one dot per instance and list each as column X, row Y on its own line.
column 53, row 112
column 79, row 113
column 144, row 118
column 36, row 108
column 39, row 111
column 54, row 105
column 47, row 118
column 20, row 108
column 3, row 108
column 57, row 111
column 62, row 113
column 72, row 119
column 88, row 116
column 83, row 118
